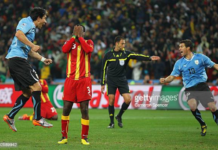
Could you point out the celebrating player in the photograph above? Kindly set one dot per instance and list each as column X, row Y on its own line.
column 192, row 68
column 24, row 76
column 116, row 61
column 77, row 86
column 47, row 110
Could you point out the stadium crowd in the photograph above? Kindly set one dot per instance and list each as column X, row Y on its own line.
column 151, row 27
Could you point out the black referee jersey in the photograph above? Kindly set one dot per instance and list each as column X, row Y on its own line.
column 115, row 63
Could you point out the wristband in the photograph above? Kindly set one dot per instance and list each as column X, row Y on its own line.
column 74, row 36
column 43, row 59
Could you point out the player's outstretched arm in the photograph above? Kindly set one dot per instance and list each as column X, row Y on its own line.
column 216, row 66
column 39, row 57
column 142, row 57
column 22, row 37
column 167, row 79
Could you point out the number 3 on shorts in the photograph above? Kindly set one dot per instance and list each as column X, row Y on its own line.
column 88, row 88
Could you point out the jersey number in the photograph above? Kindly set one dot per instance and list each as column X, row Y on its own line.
column 191, row 70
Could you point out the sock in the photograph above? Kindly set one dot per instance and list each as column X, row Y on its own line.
column 20, row 102
column 37, row 104
column 111, row 113
column 85, row 128
column 123, row 108
column 64, row 125
column 31, row 117
column 197, row 115
column 215, row 116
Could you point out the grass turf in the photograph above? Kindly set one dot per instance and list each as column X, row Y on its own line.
column 143, row 129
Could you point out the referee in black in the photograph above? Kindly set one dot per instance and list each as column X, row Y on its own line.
column 115, row 62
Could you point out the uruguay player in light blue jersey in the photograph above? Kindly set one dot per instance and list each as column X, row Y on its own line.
column 25, row 78
column 192, row 69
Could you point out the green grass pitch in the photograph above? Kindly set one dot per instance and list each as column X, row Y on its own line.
column 143, row 129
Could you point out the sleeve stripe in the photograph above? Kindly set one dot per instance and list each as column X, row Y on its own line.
column 104, row 71
column 105, row 65
column 138, row 55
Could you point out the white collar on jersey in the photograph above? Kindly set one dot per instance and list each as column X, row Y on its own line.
column 191, row 58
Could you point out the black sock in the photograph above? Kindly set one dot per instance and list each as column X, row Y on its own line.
column 20, row 102
column 36, row 104
column 215, row 116
column 123, row 108
column 111, row 113
column 197, row 115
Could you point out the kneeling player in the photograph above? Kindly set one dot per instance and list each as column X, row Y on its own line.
column 47, row 110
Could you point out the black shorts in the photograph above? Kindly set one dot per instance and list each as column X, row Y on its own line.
column 117, row 82
column 201, row 93
column 22, row 73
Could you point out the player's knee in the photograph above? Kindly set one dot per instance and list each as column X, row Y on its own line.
column 54, row 117
column 127, row 99
column 193, row 107
column 213, row 108
column 27, row 95
column 111, row 101
column 84, row 111
column 36, row 87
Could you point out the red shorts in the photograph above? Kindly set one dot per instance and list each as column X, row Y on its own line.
column 47, row 110
column 77, row 91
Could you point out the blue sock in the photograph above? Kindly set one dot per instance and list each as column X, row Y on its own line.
column 20, row 102
column 215, row 116
column 197, row 115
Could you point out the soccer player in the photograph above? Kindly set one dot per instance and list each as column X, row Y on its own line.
column 115, row 61
column 77, row 86
column 25, row 77
column 192, row 69
column 47, row 110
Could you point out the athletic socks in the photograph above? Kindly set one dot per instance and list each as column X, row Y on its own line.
column 20, row 102
column 36, row 104
column 197, row 115
column 85, row 128
column 215, row 116
column 64, row 125
column 123, row 108
column 111, row 113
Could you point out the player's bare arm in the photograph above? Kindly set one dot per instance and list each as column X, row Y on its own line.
column 39, row 57
column 216, row 66
column 102, row 89
column 155, row 58
column 167, row 79
column 21, row 36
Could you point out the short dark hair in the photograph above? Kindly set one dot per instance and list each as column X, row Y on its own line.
column 187, row 42
column 118, row 38
column 37, row 12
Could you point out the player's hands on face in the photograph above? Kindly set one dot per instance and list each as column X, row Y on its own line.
column 80, row 31
column 162, row 80
column 75, row 30
column 102, row 89
column 47, row 61
column 35, row 48
column 155, row 57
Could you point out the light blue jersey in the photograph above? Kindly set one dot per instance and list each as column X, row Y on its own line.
column 193, row 70
column 17, row 48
